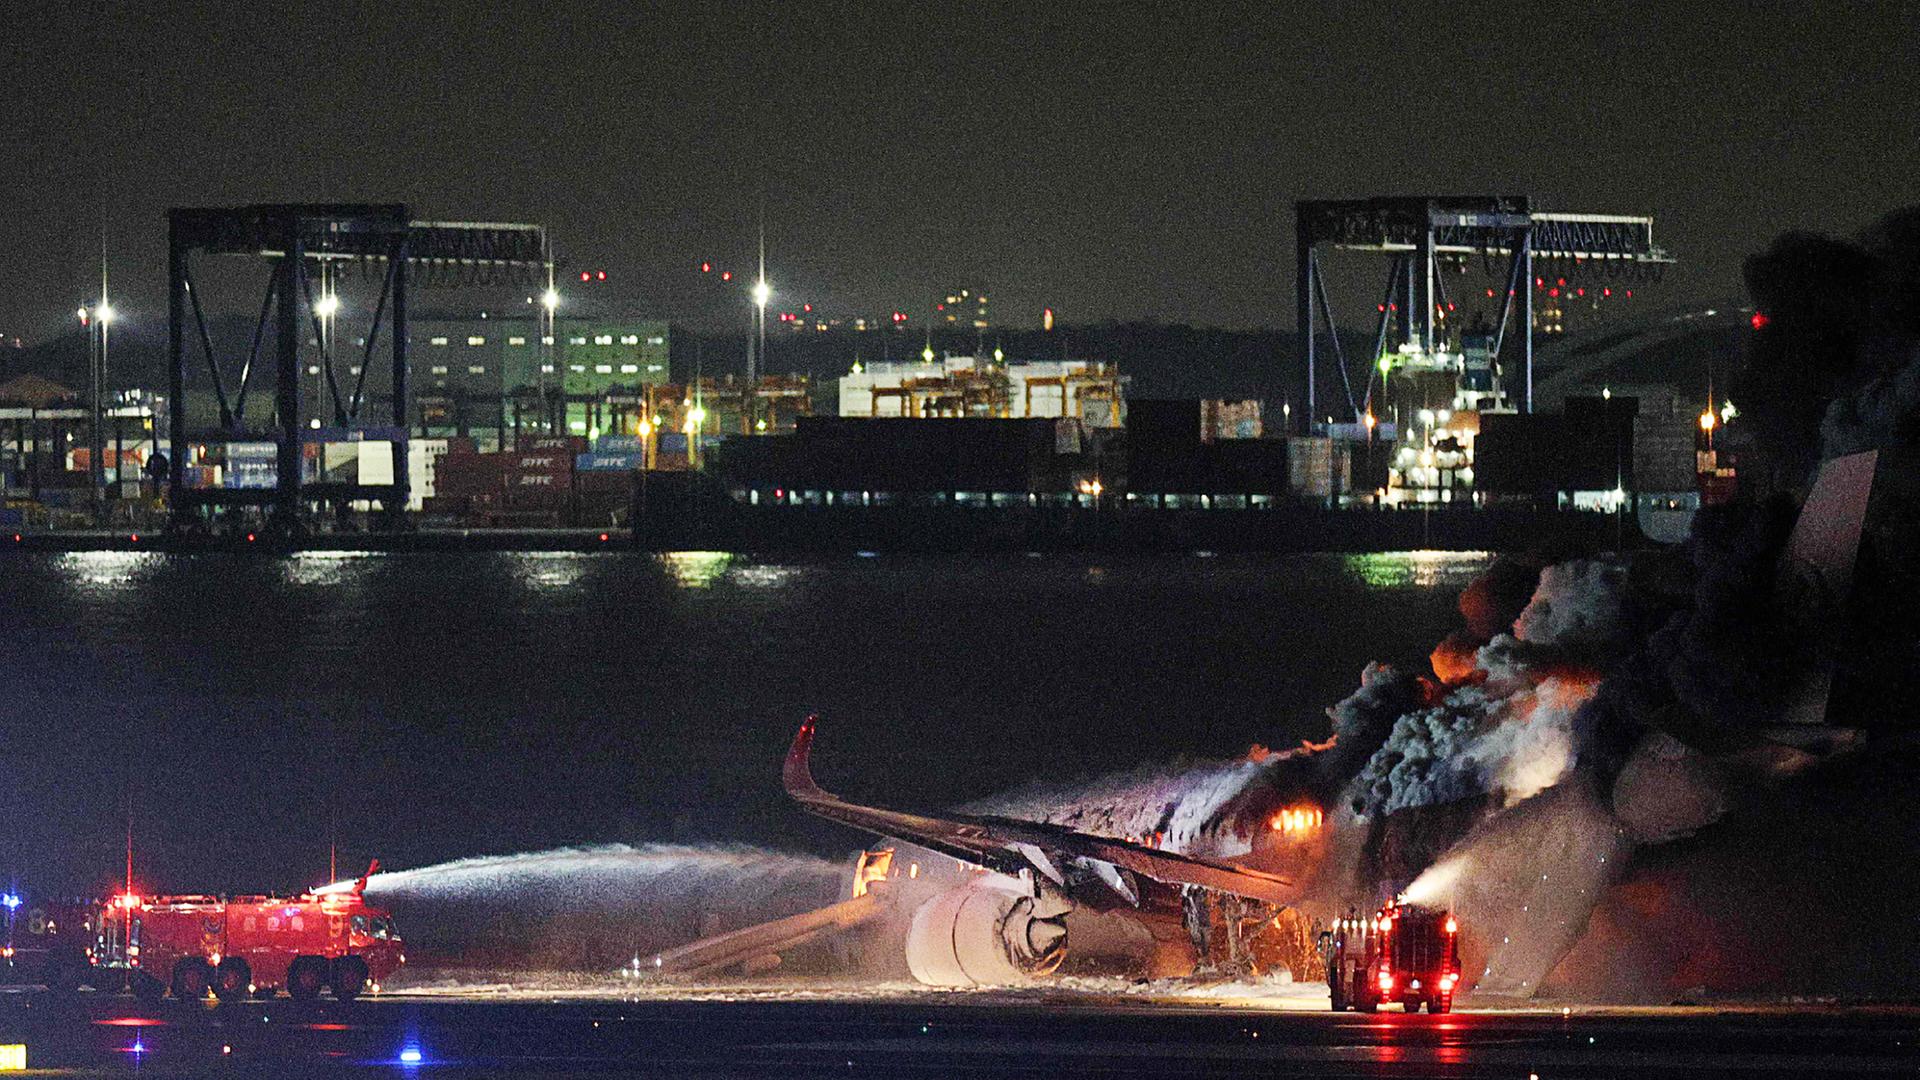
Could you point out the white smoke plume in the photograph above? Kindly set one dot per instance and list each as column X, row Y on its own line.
column 1579, row 604
column 1181, row 805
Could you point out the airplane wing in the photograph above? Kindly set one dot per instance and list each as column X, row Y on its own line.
column 1010, row 845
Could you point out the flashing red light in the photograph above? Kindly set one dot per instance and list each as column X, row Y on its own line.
column 1629, row 294
column 134, row 537
column 706, row 268
column 1760, row 320
column 604, row 538
column 1393, row 307
column 1489, row 294
column 1539, row 283
column 127, row 900
column 1452, row 926
column 779, row 493
column 16, row 538
column 1450, row 306
column 1555, row 293
column 249, row 538
column 1560, row 281
column 1582, row 292
column 726, row 275
column 1386, row 980
column 602, row 275
column 808, row 308
column 939, row 307
column 586, row 275
column 1606, row 292
column 1380, row 307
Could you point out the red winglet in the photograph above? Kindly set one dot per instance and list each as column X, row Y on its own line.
column 797, row 775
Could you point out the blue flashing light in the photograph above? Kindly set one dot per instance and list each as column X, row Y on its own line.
column 411, row 1056
column 10, row 901
column 139, row 1047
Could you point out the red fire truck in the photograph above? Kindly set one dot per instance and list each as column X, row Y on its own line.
column 1403, row 953
column 241, row 945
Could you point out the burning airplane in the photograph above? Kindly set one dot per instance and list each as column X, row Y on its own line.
column 1624, row 772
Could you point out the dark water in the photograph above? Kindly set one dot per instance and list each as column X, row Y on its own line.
column 444, row 706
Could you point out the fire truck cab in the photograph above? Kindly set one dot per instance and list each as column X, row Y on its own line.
column 1402, row 953
column 235, row 946
column 44, row 941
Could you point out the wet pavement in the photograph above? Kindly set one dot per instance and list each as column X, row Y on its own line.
column 930, row 1034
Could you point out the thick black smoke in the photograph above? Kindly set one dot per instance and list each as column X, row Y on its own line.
column 1835, row 369
column 1687, row 841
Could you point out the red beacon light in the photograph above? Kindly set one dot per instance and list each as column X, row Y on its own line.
column 1760, row 320
column 706, row 268
column 1453, row 927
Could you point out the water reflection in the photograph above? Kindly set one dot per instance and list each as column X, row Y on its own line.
column 764, row 576
column 695, row 569
column 550, row 570
column 101, row 569
column 325, row 567
column 1417, row 569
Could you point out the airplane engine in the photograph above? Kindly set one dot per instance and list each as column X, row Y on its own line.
column 984, row 933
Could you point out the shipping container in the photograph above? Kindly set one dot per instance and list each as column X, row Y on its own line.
column 618, row 444
column 1310, row 467
column 570, row 445
column 461, row 473
column 604, row 461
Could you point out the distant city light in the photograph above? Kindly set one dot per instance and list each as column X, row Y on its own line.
column 103, row 313
column 1707, row 420
column 550, row 299
column 762, row 292
column 326, row 306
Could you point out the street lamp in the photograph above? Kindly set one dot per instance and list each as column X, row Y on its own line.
column 762, row 292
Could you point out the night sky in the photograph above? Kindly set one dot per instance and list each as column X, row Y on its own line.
column 1112, row 162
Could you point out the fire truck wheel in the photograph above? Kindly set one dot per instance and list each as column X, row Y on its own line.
column 190, row 978
column 1440, row 1005
column 349, row 977
column 305, row 978
column 146, row 987
column 232, row 980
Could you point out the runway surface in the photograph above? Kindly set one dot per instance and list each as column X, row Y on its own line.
column 751, row 1033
